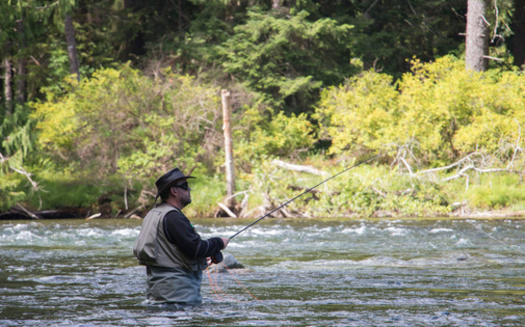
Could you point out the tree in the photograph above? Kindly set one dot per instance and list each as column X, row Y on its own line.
column 8, row 91
column 518, row 40
column 477, row 39
column 390, row 33
column 71, row 45
column 288, row 58
column 64, row 9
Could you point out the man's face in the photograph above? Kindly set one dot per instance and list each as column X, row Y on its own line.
column 183, row 192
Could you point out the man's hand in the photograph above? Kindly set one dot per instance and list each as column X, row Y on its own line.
column 225, row 240
column 217, row 258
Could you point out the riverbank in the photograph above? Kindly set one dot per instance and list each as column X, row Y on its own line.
column 20, row 213
column 374, row 191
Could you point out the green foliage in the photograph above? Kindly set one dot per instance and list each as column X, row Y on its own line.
column 359, row 113
column 361, row 192
column 442, row 110
column 272, row 136
column 16, row 143
column 288, row 58
column 206, row 192
column 11, row 184
column 15, row 132
column 390, row 32
column 119, row 129
column 494, row 192
column 121, row 122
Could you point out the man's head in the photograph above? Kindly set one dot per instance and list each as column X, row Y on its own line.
column 173, row 187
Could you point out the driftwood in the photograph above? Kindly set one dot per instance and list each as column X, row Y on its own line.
column 464, row 165
column 17, row 212
column 233, row 209
column 27, row 212
column 262, row 210
column 132, row 212
column 299, row 168
column 244, row 204
column 97, row 215
column 226, row 210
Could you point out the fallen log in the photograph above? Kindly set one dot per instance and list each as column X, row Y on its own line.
column 16, row 213
column 226, row 210
column 97, row 215
column 27, row 212
column 299, row 168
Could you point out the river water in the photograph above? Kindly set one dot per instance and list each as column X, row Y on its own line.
column 298, row 273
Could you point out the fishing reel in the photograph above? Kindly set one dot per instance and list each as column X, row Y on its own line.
column 217, row 258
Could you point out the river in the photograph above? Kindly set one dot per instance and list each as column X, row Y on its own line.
column 298, row 273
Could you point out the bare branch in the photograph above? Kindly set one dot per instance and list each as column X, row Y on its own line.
column 370, row 8
column 517, row 147
column 54, row 4
column 299, row 168
column 227, row 210
column 493, row 58
column 407, row 166
column 457, row 163
column 28, row 176
column 27, row 212
column 462, row 172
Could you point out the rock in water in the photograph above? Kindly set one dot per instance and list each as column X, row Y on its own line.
column 228, row 262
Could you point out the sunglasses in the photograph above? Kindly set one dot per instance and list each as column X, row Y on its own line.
column 183, row 186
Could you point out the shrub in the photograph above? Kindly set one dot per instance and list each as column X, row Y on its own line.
column 442, row 110
column 122, row 125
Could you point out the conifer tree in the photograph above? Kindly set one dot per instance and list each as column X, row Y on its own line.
column 477, row 36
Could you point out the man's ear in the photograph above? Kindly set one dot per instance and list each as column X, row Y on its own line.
column 173, row 191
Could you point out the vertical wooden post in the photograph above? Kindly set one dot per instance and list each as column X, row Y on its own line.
column 228, row 147
column 8, row 91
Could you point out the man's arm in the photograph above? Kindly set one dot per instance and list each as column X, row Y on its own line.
column 180, row 232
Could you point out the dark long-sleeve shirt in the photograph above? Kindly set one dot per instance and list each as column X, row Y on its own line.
column 180, row 232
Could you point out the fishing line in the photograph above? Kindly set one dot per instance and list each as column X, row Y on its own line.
column 513, row 247
column 308, row 190
column 241, row 284
column 214, row 285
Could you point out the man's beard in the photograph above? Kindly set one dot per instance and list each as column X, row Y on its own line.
column 186, row 200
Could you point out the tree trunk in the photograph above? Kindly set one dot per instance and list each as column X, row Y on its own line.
column 181, row 18
column 228, row 148
column 477, row 41
column 8, row 90
column 21, row 84
column 518, row 26
column 74, row 66
column 21, row 70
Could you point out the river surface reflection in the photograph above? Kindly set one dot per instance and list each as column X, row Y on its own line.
column 299, row 273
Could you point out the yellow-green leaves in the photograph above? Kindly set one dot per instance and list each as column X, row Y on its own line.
column 278, row 135
column 441, row 108
column 359, row 113
column 122, row 121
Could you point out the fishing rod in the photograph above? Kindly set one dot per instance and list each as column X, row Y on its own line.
column 308, row 190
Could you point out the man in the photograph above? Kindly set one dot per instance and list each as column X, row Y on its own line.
column 172, row 251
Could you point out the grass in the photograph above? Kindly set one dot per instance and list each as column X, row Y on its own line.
column 364, row 191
